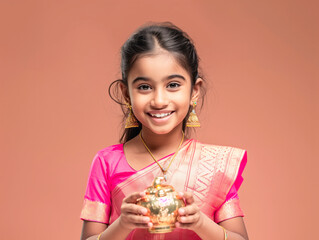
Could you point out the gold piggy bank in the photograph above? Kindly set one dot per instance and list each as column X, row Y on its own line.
column 162, row 203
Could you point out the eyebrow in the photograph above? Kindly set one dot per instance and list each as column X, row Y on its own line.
column 168, row 78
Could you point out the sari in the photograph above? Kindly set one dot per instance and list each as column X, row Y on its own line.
column 212, row 173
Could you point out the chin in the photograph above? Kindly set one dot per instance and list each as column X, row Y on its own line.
column 160, row 132
column 163, row 131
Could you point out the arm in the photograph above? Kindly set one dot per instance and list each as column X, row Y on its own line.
column 91, row 230
column 132, row 216
column 190, row 217
column 235, row 228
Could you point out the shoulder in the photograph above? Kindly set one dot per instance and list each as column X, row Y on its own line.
column 219, row 150
column 108, row 157
column 219, row 147
column 224, row 157
column 112, row 150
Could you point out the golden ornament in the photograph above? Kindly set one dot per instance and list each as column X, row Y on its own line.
column 162, row 203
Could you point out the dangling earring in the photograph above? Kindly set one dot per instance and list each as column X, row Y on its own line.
column 131, row 121
column 192, row 120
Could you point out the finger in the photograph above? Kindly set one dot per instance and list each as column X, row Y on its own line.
column 180, row 194
column 133, row 197
column 188, row 210
column 183, row 225
column 188, row 219
column 135, row 219
column 137, row 222
column 142, row 225
column 137, row 225
column 189, row 198
column 133, row 209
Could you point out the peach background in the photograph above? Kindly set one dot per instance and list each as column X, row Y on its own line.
column 58, row 57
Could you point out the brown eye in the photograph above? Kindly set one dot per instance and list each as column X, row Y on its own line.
column 143, row 87
column 173, row 85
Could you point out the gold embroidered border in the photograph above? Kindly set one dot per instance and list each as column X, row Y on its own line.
column 95, row 211
column 228, row 210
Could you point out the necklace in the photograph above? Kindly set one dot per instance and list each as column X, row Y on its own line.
column 164, row 170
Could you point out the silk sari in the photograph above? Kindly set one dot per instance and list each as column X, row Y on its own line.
column 212, row 173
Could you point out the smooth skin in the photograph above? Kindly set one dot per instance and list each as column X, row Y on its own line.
column 157, row 84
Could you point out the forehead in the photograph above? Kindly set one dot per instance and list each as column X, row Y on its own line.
column 159, row 65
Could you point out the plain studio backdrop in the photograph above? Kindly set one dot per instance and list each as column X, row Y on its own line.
column 57, row 58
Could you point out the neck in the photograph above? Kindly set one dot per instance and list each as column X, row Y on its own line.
column 162, row 142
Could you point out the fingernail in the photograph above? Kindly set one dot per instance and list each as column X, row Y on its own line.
column 181, row 194
column 143, row 211
column 150, row 224
column 142, row 194
column 181, row 211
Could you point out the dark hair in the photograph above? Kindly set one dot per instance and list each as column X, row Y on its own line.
column 144, row 41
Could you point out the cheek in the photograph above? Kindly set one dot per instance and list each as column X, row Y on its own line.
column 183, row 103
column 135, row 98
column 139, row 103
column 183, row 97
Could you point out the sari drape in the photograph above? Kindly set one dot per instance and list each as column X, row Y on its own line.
column 212, row 173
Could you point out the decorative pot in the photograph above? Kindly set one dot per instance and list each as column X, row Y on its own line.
column 162, row 203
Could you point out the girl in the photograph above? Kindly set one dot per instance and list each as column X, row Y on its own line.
column 160, row 86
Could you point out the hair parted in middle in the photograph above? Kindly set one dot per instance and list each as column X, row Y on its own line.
column 144, row 42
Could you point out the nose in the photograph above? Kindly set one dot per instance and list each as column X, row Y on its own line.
column 160, row 99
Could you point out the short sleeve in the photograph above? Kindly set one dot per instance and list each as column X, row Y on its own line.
column 96, row 205
column 231, row 207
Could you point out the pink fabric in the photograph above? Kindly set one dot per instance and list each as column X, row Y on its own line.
column 110, row 168
column 233, row 193
column 229, row 204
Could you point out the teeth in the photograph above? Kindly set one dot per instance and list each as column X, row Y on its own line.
column 160, row 115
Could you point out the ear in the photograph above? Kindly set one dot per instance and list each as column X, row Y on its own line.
column 196, row 90
column 125, row 92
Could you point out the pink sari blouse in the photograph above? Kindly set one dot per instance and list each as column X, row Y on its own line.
column 221, row 172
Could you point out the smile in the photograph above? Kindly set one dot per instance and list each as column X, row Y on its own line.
column 160, row 115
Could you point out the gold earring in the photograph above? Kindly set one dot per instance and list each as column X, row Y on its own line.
column 192, row 120
column 130, row 121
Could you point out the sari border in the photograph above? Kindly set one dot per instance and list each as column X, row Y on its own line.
column 145, row 170
column 131, row 178
column 230, row 209
column 217, row 171
column 95, row 211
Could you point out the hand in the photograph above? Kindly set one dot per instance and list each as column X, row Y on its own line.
column 190, row 216
column 132, row 215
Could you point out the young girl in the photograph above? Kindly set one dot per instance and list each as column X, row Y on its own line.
column 160, row 87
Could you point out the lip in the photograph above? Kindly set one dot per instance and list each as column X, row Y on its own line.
column 162, row 119
column 159, row 112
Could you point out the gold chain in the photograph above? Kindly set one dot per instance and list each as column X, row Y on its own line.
column 225, row 233
column 163, row 170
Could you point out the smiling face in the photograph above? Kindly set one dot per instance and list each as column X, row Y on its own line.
column 159, row 90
